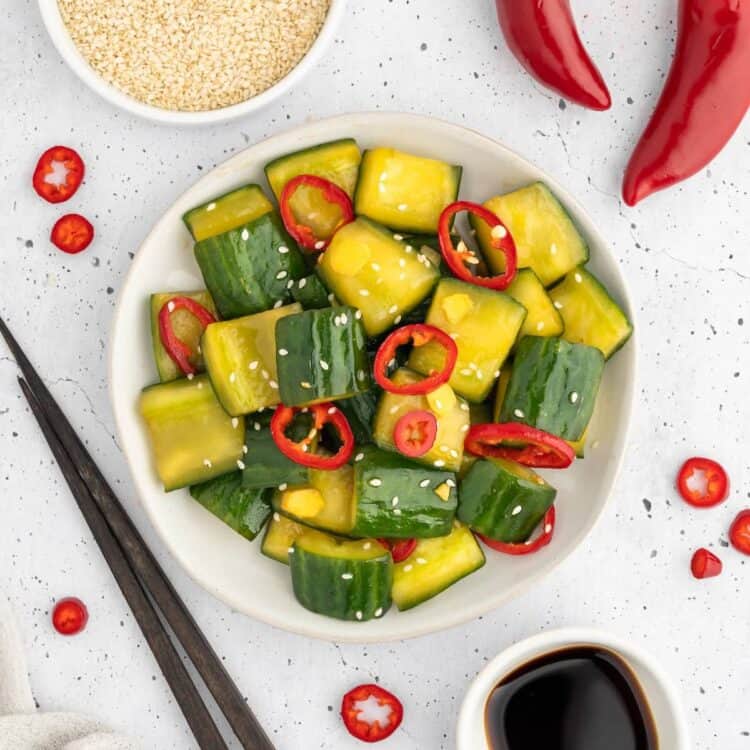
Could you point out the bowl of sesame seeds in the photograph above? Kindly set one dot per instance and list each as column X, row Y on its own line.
column 191, row 62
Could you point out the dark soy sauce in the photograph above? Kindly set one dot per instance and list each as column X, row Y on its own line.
column 578, row 698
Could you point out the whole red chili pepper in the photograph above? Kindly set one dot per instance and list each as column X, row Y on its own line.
column 704, row 99
column 543, row 36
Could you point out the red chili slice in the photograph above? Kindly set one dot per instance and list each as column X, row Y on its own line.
column 72, row 233
column 712, row 477
column 520, row 443
column 70, row 616
column 705, row 564
column 322, row 415
column 419, row 334
column 177, row 349
column 57, row 192
column 532, row 545
column 400, row 549
column 460, row 259
column 371, row 699
column 415, row 433
column 332, row 193
column 739, row 532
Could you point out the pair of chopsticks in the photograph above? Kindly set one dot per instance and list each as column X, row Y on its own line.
column 140, row 577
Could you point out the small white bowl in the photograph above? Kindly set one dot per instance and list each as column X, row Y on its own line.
column 666, row 708
column 65, row 45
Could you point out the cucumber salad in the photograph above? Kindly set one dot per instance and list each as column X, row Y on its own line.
column 375, row 369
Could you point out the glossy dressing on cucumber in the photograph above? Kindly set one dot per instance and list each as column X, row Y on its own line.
column 579, row 698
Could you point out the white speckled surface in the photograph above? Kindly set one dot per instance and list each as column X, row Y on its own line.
column 686, row 252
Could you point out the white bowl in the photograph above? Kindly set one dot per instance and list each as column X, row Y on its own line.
column 222, row 561
column 65, row 45
column 662, row 697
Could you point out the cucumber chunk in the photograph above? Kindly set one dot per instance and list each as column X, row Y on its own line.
column 542, row 317
column 435, row 565
column 192, row 438
column 553, row 386
column 546, row 238
column 337, row 162
column 367, row 268
column 398, row 499
column 360, row 413
column 451, row 413
column 503, row 500
column 348, row 580
column 279, row 538
column 405, row 192
column 240, row 358
column 186, row 328
column 590, row 314
column 310, row 293
column 321, row 356
column 483, row 323
column 243, row 509
column 227, row 212
column 500, row 390
column 248, row 269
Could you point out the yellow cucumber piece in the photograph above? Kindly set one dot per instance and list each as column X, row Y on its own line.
column 542, row 318
column 326, row 545
column 280, row 537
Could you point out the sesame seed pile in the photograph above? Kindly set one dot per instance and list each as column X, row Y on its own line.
column 193, row 55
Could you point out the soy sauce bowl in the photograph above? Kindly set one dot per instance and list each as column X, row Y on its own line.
column 663, row 700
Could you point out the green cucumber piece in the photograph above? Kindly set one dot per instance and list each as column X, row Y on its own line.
column 403, row 191
column 590, row 314
column 265, row 464
column 396, row 498
column 451, row 413
column 310, row 293
column 321, row 356
column 553, row 386
column 367, row 267
column 503, row 500
column 483, row 323
column 360, row 411
column 336, row 161
column 435, row 565
column 547, row 240
column 192, row 438
column 248, row 269
column 185, row 327
column 542, row 317
column 500, row 390
column 279, row 538
column 348, row 580
column 243, row 509
column 240, row 357
column 227, row 212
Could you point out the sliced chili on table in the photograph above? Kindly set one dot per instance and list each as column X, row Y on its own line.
column 461, row 259
column 303, row 234
column 739, row 532
column 415, row 433
column 177, row 349
column 702, row 482
column 529, row 547
column 299, row 452
column 520, row 443
column 705, row 564
column 58, row 191
column 69, row 617
column 400, row 549
column 72, row 233
column 371, row 713
column 418, row 334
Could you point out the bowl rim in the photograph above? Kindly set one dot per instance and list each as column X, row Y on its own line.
column 465, row 614
column 66, row 47
column 553, row 640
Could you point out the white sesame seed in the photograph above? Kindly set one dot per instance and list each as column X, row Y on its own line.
column 276, row 517
column 402, row 262
column 558, row 304
column 439, row 463
column 364, row 292
column 450, row 482
column 358, row 315
column 324, row 364
column 232, row 377
column 394, row 501
column 361, row 374
column 245, row 235
column 207, row 463
column 320, row 244
column 359, row 456
column 375, row 266
column 200, row 385
column 283, row 249
column 397, row 319
column 548, row 528
column 444, row 448
column 573, row 397
column 398, row 237
column 240, row 464
column 453, row 453
column 358, row 615
column 283, row 486
column 290, row 550
column 421, row 561
column 394, row 409
column 305, row 384
column 283, row 352
column 278, row 304
column 170, row 306
column 281, row 275
column 256, row 426
column 424, row 483
column 290, row 283
column 516, row 510
column 331, row 296
column 235, row 422
column 464, row 406
column 190, row 376
column 253, row 365
column 302, row 283
column 499, row 232
column 578, row 278
column 540, row 325
column 332, row 410
column 274, row 385
column 265, row 374
column 378, row 612
column 408, row 568
column 518, row 413
column 465, row 371
column 464, row 428
column 344, row 319
column 211, row 206
column 375, row 482
column 402, row 207
column 347, row 576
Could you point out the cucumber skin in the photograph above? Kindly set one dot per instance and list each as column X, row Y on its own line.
column 314, row 335
column 422, row 513
column 545, row 373
column 360, row 411
column 241, row 273
column 488, row 494
column 319, row 587
column 265, row 464
column 243, row 509
column 312, row 295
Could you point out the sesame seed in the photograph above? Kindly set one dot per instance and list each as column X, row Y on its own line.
column 394, row 409
column 207, row 463
column 578, row 278
column 358, row 614
column 540, row 325
column 367, row 545
column 265, row 374
column 190, row 376
column 402, row 262
column 364, row 292
column 283, row 249
column 256, row 426
column 397, row 319
column 302, row 283
column 320, row 244
column 358, row 315
column 274, row 385
column 283, row 486
column 516, row 510
column 402, row 207
column 331, row 296
column 558, row 305
column 573, row 397
column 235, row 422
column 394, row 501
column 398, row 237
column 465, row 371
column 453, row 453
column 375, row 266
column 170, row 306
column 253, row 365
column 464, row 428
column 290, row 283
column 548, row 528
column 439, row 463
column 240, row 464
column 347, row 576
column 378, row 612
column 305, row 384
column 244, row 449
column 290, row 550
column 424, row 483
column 200, row 385
column 361, row 374
column 464, row 406
column 359, row 456
column 245, row 235
column 281, row 275
column 232, row 377
column 278, row 304
column 332, row 410
column 408, row 568
column 283, row 352
column 375, row 482
column 499, row 232
column 344, row 319
column 450, row 482
column 421, row 561
column 518, row 413
column 553, row 249
column 276, row 517
column 211, row 206
column 444, row 448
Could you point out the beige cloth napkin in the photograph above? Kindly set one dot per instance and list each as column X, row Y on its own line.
column 22, row 727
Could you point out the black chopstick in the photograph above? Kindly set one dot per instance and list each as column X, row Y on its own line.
column 218, row 681
column 199, row 719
